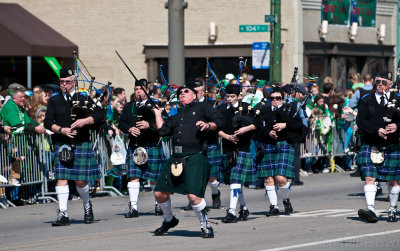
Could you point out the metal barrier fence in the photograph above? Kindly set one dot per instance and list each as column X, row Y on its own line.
column 329, row 139
column 28, row 157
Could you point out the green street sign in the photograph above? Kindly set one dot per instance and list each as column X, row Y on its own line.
column 253, row 28
column 270, row 19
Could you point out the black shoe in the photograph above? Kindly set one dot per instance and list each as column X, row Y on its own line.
column 166, row 226
column 62, row 220
column 207, row 232
column 229, row 218
column 157, row 210
column 392, row 215
column 273, row 211
column 379, row 191
column 367, row 215
column 288, row 206
column 188, row 207
column 297, row 183
column 216, row 200
column 243, row 214
column 133, row 213
column 89, row 217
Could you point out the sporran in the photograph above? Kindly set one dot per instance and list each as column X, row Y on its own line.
column 140, row 156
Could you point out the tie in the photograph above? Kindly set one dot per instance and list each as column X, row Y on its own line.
column 382, row 101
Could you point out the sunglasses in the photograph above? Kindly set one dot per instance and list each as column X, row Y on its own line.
column 276, row 98
column 66, row 82
column 381, row 81
column 184, row 91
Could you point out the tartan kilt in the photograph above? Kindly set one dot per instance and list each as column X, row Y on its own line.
column 244, row 171
column 278, row 160
column 84, row 166
column 149, row 171
column 214, row 157
column 388, row 170
column 193, row 180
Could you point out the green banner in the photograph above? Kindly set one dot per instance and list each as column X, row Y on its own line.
column 52, row 61
column 365, row 12
column 344, row 12
column 336, row 11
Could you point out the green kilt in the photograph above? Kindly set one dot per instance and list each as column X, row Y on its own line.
column 244, row 172
column 214, row 157
column 84, row 166
column 193, row 180
column 388, row 170
column 149, row 171
column 278, row 160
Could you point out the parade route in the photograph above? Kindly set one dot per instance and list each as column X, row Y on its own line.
column 325, row 218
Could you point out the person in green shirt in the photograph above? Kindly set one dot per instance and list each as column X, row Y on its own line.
column 13, row 114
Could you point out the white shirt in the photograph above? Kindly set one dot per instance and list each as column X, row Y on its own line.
column 235, row 105
column 378, row 97
column 71, row 94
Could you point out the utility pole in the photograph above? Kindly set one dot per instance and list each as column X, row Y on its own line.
column 276, row 53
column 176, row 41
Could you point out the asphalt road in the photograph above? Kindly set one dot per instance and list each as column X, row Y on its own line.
column 325, row 218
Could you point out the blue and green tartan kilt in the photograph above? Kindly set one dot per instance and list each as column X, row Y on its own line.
column 84, row 166
column 149, row 171
column 214, row 157
column 244, row 171
column 278, row 160
column 388, row 170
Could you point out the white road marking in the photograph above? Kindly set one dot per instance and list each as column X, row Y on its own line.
column 333, row 240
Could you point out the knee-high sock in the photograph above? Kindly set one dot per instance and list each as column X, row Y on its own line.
column 167, row 210
column 214, row 187
column 152, row 189
column 370, row 192
column 389, row 188
column 394, row 196
column 235, row 190
column 285, row 191
column 133, row 189
column 272, row 196
column 62, row 196
column 84, row 193
column 200, row 213
column 242, row 202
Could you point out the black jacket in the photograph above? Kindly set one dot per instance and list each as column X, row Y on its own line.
column 59, row 113
column 131, row 114
column 233, row 122
column 182, row 126
column 370, row 119
column 285, row 114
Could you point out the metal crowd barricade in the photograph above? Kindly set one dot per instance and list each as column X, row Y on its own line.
column 22, row 150
column 37, row 167
column 330, row 144
column 99, row 147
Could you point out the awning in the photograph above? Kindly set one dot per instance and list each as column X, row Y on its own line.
column 23, row 34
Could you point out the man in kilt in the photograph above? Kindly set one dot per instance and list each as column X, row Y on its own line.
column 188, row 128
column 378, row 135
column 72, row 139
column 277, row 129
column 236, row 136
column 213, row 150
column 138, row 121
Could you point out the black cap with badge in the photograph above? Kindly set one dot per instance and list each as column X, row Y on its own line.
column 385, row 74
column 141, row 82
column 66, row 72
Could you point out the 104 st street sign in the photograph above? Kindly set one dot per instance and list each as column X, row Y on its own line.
column 253, row 28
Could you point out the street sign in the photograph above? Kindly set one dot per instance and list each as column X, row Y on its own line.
column 270, row 19
column 260, row 55
column 253, row 28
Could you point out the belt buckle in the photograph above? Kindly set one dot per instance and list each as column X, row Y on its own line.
column 178, row 149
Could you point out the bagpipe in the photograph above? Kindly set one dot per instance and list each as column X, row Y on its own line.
column 393, row 112
column 84, row 107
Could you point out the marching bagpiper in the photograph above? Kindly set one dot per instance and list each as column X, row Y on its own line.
column 73, row 152
column 138, row 121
